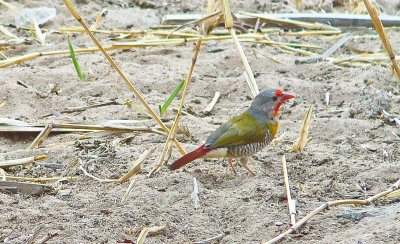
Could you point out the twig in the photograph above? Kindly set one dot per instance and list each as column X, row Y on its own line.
column 12, row 126
column 4, row 238
column 142, row 236
column 134, row 170
column 98, row 17
column 385, row 40
column 327, row 53
column 41, row 137
column 149, row 43
column 329, row 204
column 195, row 194
column 297, row 50
column 303, row 139
column 336, row 46
column 3, row 174
column 21, row 161
column 393, row 195
column 195, row 22
column 41, row 95
column 298, row 23
column 248, row 80
column 47, row 237
column 38, row 32
column 291, row 202
column 3, row 55
column 128, row 191
column 115, row 128
column 257, row 25
column 39, row 179
column 166, row 152
column 80, row 109
column 211, row 105
column 287, row 44
column 327, row 98
column 229, row 25
column 37, row 232
column 94, row 177
column 75, row 13
column 273, row 59
column 374, row 57
column 212, row 239
column 277, row 140
column 156, row 229
column 332, row 19
column 312, row 33
column 137, row 164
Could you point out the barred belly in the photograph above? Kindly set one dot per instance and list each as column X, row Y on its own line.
column 239, row 151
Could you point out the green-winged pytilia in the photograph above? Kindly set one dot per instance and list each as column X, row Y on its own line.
column 243, row 135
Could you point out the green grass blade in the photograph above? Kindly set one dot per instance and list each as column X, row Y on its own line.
column 169, row 100
column 81, row 75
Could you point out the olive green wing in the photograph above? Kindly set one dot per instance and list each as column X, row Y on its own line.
column 240, row 130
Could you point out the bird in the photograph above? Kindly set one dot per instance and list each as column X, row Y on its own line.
column 243, row 135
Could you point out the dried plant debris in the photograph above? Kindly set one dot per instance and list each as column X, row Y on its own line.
column 96, row 154
column 355, row 123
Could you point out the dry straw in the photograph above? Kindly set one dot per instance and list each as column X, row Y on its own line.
column 229, row 25
column 182, row 38
column 75, row 13
column 135, row 168
column 38, row 179
column 21, row 161
column 303, row 139
column 291, row 202
column 41, row 137
column 382, row 34
column 328, row 205
column 211, row 105
column 142, row 236
column 302, row 24
column 167, row 149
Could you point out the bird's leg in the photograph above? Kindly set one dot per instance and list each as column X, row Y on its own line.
column 243, row 162
column 230, row 162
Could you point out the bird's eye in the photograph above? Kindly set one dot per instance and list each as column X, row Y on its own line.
column 274, row 98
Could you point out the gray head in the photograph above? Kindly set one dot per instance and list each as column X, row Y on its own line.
column 267, row 103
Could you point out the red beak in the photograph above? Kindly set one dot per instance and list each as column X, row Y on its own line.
column 286, row 97
column 283, row 99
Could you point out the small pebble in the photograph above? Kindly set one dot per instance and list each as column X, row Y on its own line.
column 63, row 193
column 279, row 223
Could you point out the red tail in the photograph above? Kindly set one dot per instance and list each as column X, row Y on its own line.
column 189, row 157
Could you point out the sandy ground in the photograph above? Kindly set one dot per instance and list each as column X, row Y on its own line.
column 353, row 151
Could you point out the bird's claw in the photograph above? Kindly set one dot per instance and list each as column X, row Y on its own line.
column 243, row 162
column 233, row 168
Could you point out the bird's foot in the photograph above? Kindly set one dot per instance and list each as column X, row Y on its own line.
column 233, row 168
column 243, row 162
column 247, row 168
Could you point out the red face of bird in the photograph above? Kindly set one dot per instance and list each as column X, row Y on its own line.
column 280, row 99
column 268, row 102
